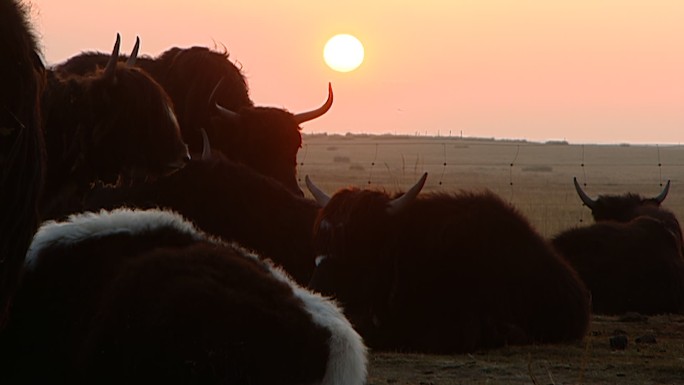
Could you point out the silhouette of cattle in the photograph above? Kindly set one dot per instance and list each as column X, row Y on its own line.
column 142, row 297
column 22, row 78
column 115, row 124
column 631, row 258
column 230, row 200
column 210, row 92
column 443, row 272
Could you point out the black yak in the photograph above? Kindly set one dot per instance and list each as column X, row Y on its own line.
column 142, row 297
column 113, row 124
column 631, row 258
column 22, row 78
column 443, row 273
column 230, row 200
column 210, row 92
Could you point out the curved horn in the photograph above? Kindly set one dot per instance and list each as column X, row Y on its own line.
column 111, row 64
column 318, row 194
column 213, row 92
column 226, row 113
column 206, row 146
column 583, row 196
column 134, row 54
column 396, row 205
column 663, row 194
column 311, row 115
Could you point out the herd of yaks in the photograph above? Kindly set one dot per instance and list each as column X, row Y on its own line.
column 153, row 231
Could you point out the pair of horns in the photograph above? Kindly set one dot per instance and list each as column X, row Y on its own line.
column 298, row 118
column 591, row 203
column 395, row 206
column 114, row 58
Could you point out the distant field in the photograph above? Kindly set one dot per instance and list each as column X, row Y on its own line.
column 535, row 177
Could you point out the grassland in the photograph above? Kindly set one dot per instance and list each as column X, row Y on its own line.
column 536, row 178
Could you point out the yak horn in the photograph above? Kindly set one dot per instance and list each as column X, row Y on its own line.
column 226, row 113
column 134, row 54
column 223, row 111
column 318, row 194
column 111, row 65
column 583, row 196
column 311, row 115
column 663, row 194
column 398, row 204
column 206, row 146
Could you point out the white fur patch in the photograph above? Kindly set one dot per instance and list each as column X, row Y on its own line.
column 80, row 227
column 347, row 361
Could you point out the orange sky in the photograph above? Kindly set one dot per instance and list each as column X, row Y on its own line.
column 588, row 71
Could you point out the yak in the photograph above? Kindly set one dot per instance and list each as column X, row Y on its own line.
column 443, row 272
column 210, row 92
column 113, row 125
column 141, row 297
column 22, row 79
column 631, row 257
column 230, row 200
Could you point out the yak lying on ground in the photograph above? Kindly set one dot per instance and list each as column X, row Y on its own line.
column 22, row 78
column 631, row 258
column 230, row 200
column 114, row 123
column 142, row 297
column 210, row 92
column 443, row 272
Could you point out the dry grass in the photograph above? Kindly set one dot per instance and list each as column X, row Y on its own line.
column 536, row 178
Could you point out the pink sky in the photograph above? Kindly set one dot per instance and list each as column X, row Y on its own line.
column 588, row 71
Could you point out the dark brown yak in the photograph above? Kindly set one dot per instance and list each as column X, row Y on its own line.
column 443, row 272
column 232, row 201
column 210, row 92
column 22, row 78
column 631, row 258
column 115, row 124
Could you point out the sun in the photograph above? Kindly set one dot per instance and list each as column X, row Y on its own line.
column 343, row 53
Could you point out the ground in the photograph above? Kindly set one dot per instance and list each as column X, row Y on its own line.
column 654, row 354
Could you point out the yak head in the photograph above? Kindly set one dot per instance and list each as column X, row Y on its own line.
column 628, row 207
column 621, row 208
column 266, row 139
column 132, row 129
column 353, row 240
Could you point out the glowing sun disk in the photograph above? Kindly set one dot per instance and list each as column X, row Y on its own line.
column 343, row 53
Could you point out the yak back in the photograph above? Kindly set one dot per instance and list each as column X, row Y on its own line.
column 230, row 200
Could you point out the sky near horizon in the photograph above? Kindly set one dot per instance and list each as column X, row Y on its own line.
column 585, row 71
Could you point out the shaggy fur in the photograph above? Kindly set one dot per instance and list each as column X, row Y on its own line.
column 103, row 128
column 143, row 297
column 449, row 273
column 22, row 78
column 631, row 258
column 230, row 200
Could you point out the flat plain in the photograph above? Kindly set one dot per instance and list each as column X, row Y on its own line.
column 537, row 179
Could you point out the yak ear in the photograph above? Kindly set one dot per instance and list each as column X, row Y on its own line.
column 398, row 204
column 110, row 69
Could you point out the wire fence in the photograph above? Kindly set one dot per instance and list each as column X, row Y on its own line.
column 534, row 177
